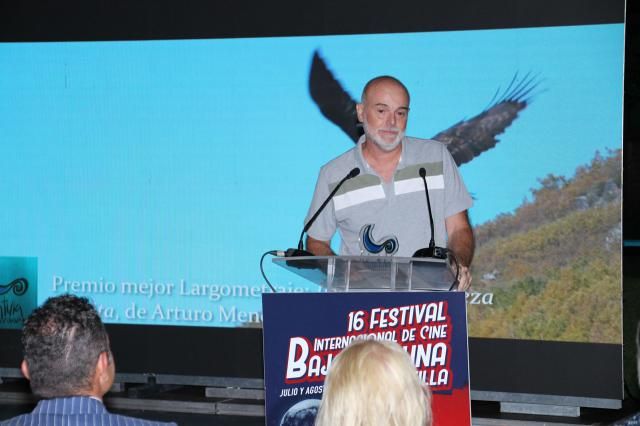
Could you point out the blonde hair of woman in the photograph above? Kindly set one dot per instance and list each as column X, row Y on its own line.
column 374, row 383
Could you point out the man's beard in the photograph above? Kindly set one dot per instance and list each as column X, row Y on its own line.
column 379, row 141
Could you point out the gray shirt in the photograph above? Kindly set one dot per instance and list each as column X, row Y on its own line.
column 375, row 217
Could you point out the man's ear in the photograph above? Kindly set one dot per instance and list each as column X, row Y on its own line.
column 25, row 369
column 105, row 373
column 360, row 112
column 103, row 362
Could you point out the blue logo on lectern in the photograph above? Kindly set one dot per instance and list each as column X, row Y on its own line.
column 389, row 244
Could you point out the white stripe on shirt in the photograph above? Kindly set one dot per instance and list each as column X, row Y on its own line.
column 358, row 196
column 415, row 185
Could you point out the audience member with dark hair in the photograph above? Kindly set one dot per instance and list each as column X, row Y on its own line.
column 374, row 383
column 68, row 362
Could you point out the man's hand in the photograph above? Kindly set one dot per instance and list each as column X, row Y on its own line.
column 464, row 278
column 462, row 244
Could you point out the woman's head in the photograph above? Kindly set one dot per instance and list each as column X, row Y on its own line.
column 374, row 383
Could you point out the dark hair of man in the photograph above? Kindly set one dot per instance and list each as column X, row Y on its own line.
column 62, row 340
column 380, row 79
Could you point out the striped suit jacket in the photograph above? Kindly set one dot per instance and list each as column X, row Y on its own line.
column 75, row 411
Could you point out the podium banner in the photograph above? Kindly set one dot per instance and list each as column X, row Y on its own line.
column 304, row 332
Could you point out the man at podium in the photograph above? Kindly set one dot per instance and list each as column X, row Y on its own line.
column 383, row 207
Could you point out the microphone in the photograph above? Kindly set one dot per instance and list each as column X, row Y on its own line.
column 432, row 250
column 300, row 251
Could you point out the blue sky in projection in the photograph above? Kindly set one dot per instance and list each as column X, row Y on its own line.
column 187, row 159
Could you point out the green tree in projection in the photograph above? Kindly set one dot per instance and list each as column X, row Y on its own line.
column 554, row 265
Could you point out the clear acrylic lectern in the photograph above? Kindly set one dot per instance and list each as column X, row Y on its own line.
column 372, row 273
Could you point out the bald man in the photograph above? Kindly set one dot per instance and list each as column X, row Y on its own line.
column 383, row 210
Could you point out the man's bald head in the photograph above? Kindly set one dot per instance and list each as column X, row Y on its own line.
column 383, row 79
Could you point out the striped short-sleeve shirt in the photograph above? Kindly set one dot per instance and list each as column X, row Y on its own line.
column 389, row 218
column 76, row 411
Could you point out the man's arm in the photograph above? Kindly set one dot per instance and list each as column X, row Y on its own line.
column 319, row 248
column 462, row 244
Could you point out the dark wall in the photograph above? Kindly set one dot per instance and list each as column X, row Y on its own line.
column 631, row 174
column 631, row 198
column 169, row 19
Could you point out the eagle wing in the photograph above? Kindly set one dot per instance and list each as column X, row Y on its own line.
column 334, row 102
column 469, row 138
column 465, row 140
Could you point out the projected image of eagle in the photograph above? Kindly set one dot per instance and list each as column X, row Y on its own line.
column 465, row 140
